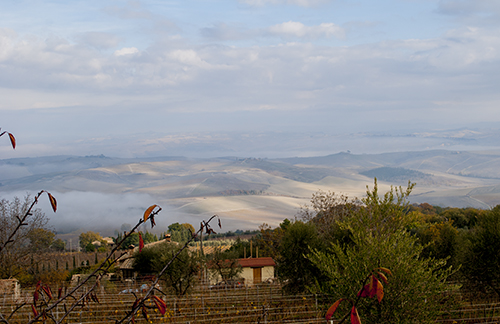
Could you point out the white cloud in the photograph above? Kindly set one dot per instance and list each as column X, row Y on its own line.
column 299, row 30
column 57, row 61
column 286, row 30
column 175, row 76
column 126, row 51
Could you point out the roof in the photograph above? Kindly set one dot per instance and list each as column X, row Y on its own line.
column 256, row 262
column 108, row 240
column 127, row 264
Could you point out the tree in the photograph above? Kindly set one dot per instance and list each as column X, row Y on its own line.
column 240, row 248
column 180, row 232
column 268, row 240
column 59, row 245
column 180, row 275
column 40, row 239
column 380, row 238
column 481, row 258
column 87, row 239
column 326, row 211
column 133, row 239
column 294, row 269
column 17, row 257
column 189, row 227
column 224, row 264
column 440, row 240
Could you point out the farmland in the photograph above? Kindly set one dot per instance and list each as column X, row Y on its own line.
column 263, row 303
column 245, row 192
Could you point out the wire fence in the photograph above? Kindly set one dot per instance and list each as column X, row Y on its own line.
column 259, row 304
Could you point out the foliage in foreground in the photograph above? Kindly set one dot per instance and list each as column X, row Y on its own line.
column 379, row 237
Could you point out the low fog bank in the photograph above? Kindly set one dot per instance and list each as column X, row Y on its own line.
column 103, row 213
column 106, row 213
column 261, row 144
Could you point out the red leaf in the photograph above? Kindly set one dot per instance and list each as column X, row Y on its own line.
column 47, row 291
column 387, row 271
column 53, row 202
column 383, row 277
column 141, row 243
column 35, row 312
column 332, row 309
column 59, row 293
column 365, row 292
column 35, row 297
column 355, row 319
column 380, row 291
column 12, row 140
column 369, row 290
column 373, row 286
column 148, row 212
column 144, row 313
column 160, row 304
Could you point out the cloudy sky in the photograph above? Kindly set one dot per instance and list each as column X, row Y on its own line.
column 83, row 76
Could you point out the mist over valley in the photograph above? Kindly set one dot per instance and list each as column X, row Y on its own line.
column 101, row 193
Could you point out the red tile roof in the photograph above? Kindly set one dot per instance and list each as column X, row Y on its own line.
column 256, row 262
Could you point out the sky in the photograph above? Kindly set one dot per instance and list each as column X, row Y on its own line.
column 106, row 77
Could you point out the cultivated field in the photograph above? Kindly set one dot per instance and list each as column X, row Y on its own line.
column 260, row 304
column 244, row 192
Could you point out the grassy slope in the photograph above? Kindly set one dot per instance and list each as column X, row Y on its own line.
column 222, row 186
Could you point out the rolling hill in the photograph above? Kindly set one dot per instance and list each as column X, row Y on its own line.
column 102, row 192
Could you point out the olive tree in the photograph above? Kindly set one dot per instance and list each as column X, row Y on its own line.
column 379, row 237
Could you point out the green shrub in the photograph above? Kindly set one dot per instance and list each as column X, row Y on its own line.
column 379, row 238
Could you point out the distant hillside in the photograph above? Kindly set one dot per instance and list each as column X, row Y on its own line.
column 472, row 164
column 396, row 175
column 98, row 192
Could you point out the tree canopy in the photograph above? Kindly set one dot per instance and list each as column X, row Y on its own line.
column 16, row 257
column 380, row 237
column 181, row 274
